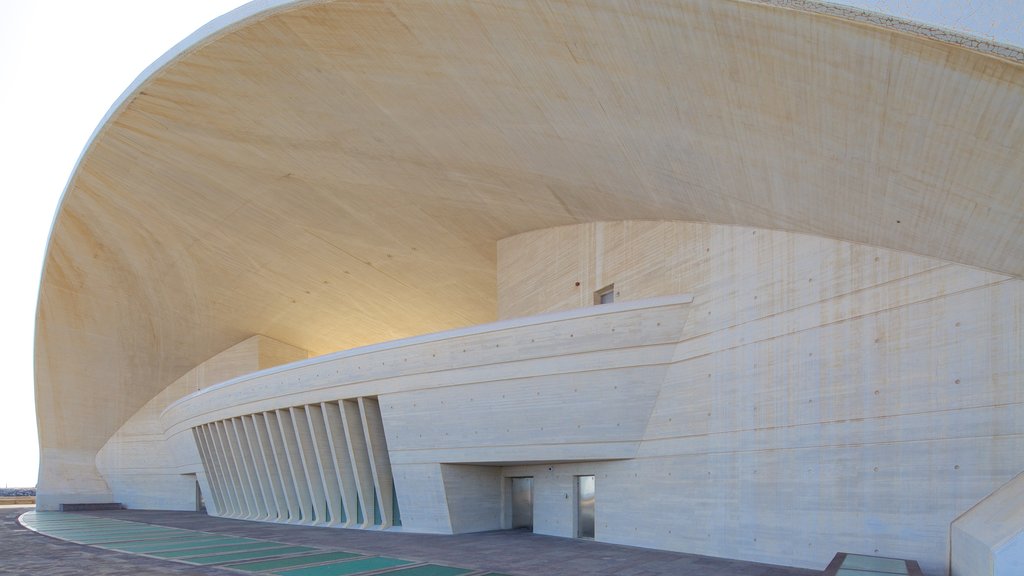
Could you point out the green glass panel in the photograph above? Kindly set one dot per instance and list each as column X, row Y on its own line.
column 430, row 570
column 848, row 572
column 859, row 562
column 344, row 568
column 215, row 550
column 376, row 510
column 265, row 553
column 359, row 510
column 177, row 544
column 291, row 562
column 396, row 515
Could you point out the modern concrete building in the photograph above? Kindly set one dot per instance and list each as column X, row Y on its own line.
column 736, row 278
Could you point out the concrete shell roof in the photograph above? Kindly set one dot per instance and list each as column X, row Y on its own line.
column 332, row 174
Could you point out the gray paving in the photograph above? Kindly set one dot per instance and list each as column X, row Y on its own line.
column 512, row 552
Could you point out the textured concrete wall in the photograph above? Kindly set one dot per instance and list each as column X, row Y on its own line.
column 825, row 396
column 988, row 540
column 811, row 396
column 474, row 496
column 571, row 386
column 145, row 469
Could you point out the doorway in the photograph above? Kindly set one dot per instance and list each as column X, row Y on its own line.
column 522, row 502
column 585, row 507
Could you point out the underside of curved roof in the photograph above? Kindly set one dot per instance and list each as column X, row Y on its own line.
column 332, row 174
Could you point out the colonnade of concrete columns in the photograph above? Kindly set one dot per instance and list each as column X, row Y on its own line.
column 322, row 464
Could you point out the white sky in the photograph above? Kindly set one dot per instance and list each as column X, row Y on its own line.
column 64, row 62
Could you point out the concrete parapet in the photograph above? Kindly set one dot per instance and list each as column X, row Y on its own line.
column 988, row 539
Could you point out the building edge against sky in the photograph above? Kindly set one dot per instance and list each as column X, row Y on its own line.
column 839, row 206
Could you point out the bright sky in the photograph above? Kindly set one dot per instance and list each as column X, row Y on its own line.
column 64, row 62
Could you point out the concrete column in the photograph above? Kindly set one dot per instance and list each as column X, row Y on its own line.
column 307, row 456
column 281, row 464
column 338, row 440
column 294, row 459
column 328, row 474
column 380, row 464
column 259, row 424
column 359, row 458
column 258, row 469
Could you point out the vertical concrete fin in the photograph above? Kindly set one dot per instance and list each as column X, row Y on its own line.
column 241, row 507
column 257, row 468
column 380, row 463
column 360, row 459
column 338, row 440
column 278, row 508
column 295, row 468
column 215, row 504
column 251, row 485
column 278, row 451
column 310, row 467
column 223, row 475
column 325, row 463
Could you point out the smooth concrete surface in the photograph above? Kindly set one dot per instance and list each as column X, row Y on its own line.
column 142, row 467
column 515, row 553
column 988, row 539
column 573, row 385
column 332, row 174
column 812, row 396
column 824, row 396
column 840, row 193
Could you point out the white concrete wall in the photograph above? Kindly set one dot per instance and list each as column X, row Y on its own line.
column 422, row 498
column 571, row 386
column 826, row 396
column 474, row 496
column 816, row 396
column 146, row 469
column 988, row 539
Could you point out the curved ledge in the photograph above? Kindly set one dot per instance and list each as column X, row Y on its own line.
column 264, row 8
column 512, row 323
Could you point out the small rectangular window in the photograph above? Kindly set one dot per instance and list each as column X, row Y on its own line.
column 605, row 295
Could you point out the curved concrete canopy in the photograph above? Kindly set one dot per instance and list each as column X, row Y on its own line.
column 332, row 174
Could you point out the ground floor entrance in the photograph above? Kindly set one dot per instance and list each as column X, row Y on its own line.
column 522, row 502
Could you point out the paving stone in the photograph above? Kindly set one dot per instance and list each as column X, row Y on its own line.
column 511, row 553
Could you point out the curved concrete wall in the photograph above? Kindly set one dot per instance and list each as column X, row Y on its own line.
column 988, row 539
column 569, row 386
column 333, row 174
column 815, row 396
column 825, row 396
column 144, row 470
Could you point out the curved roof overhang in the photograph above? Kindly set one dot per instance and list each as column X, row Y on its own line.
column 332, row 174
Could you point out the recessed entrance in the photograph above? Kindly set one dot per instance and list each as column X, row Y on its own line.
column 585, row 507
column 522, row 502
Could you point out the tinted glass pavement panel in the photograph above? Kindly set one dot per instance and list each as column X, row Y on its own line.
column 430, row 570
column 874, row 564
column 251, row 555
column 849, row 572
column 346, row 568
column 292, row 562
column 164, row 545
column 218, row 549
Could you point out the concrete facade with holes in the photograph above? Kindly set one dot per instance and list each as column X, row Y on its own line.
column 441, row 192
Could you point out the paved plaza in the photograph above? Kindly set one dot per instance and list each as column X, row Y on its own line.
column 514, row 553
